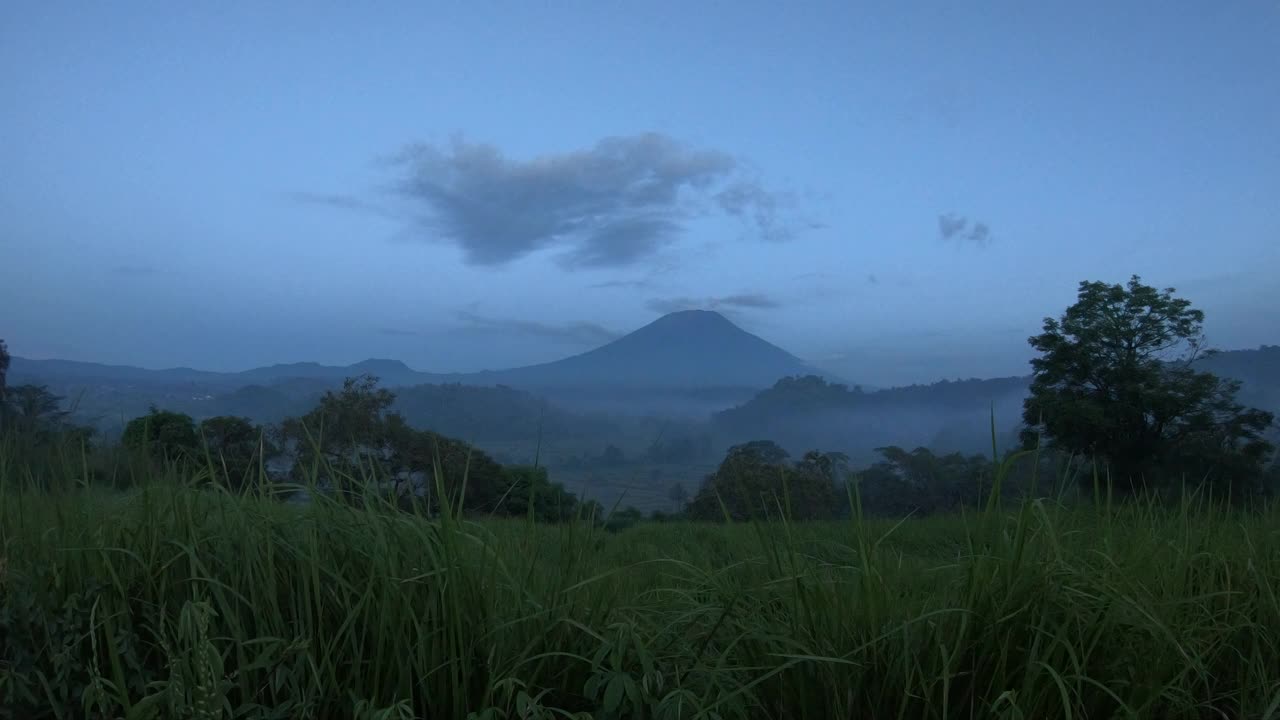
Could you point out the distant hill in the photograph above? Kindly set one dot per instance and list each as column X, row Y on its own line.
column 685, row 363
column 391, row 372
column 802, row 413
column 688, row 349
column 1257, row 370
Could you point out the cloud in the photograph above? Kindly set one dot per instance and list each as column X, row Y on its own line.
column 653, row 277
column 613, row 204
column 750, row 201
column 134, row 270
column 622, row 284
column 744, row 301
column 958, row 228
column 576, row 333
column 343, row 202
column 623, row 243
column 872, row 279
column 399, row 332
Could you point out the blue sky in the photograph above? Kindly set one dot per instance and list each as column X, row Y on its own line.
column 895, row 191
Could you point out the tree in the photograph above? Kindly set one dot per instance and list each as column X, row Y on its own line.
column 678, row 496
column 33, row 408
column 1115, row 380
column 756, row 481
column 524, row 485
column 236, row 446
column 4, row 375
column 920, row 481
column 36, row 413
column 163, row 434
column 352, row 435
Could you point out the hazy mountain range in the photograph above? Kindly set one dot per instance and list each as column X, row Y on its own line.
column 695, row 365
column 681, row 350
column 685, row 363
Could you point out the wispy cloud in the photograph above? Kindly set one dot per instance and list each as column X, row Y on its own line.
column 640, row 284
column 744, row 301
column 958, row 228
column 574, row 333
column 613, row 204
column 399, row 332
column 346, row 202
column 652, row 278
column 130, row 270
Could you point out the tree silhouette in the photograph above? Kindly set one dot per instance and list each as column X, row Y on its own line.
column 1115, row 380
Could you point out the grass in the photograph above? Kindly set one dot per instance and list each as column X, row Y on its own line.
column 173, row 600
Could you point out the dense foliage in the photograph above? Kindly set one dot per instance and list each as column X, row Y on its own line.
column 236, row 448
column 756, row 481
column 1115, row 380
column 164, row 433
column 4, row 375
column 800, row 413
column 130, row 588
column 171, row 601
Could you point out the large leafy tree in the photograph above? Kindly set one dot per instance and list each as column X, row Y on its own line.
column 34, row 407
column 352, row 435
column 347, row 430
column 163, row 433
column 1115, row 379
column 920, row 481
column 4, row 373
column 755, row 480
column 528, row 489
column 235, row 447
column 36, row 413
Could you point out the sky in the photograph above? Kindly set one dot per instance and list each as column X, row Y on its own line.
column 894, row 191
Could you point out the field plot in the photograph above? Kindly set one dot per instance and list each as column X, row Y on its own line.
column 170, row 601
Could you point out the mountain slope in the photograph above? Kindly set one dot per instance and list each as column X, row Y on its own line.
column 689, row 349
column 803, row 413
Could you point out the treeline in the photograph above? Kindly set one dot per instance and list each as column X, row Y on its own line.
column 1117, row 389
column 354, row 441
column 759, row 479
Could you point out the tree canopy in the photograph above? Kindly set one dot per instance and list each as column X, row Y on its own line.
column 756, row 481
column 1115, row 380
column 353, row 435
column 163, row 433
column 4, row 371
column 236, row 448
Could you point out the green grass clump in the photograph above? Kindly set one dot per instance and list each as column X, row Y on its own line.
column 173, row 600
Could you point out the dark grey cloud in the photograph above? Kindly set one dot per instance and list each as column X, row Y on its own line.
column 576, row 333
column 610, row 205
column 952, row 227
column 744, row 301
column 623, row 242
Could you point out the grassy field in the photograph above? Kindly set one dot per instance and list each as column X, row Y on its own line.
column 172, row 601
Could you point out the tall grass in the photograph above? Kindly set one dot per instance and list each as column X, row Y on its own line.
column 174, row 599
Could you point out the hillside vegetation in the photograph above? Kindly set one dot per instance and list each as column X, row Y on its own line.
column 1118, row 557
column 172, row 601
